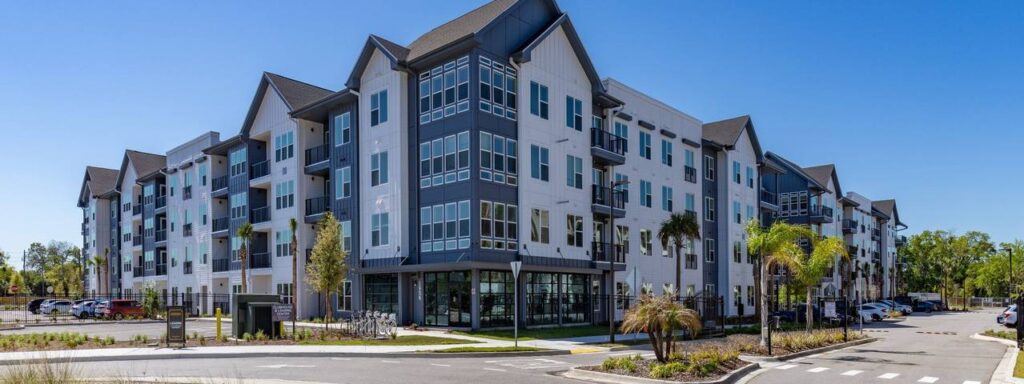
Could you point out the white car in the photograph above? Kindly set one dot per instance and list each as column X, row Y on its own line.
column 1009, row 316
column 875, row 310
column 905, row 309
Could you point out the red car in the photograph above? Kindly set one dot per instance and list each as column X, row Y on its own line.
column 119, row 309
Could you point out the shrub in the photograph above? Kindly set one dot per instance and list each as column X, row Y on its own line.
column 247, row 336
column 626, row 363
column 202, row 341
column 664, row 371
column 260, row 336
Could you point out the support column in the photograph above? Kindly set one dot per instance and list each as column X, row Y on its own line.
column 404, row 308
column 474, row 301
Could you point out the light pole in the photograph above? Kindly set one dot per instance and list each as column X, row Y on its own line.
column 1010, row 289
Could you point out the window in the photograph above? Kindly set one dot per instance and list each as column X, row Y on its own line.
column 284, row 146
column 690, row 203
column 237, row 161
column 236, row 245
column 736, row 172
column 204, row 171
column 666, row 152
column 645, row 193
column 623, row 186
column 284, row 194
column 709, row 168
column 737, row 252
column 444, row 227
column 750, row 212
column 239, row 204
column 498, row 226
column 709, row 250
column 750, row 177
column 444, row 160
column 286, row 291
column 342, row 128
column 666, row 198
column 709, row 209
column 750, row 295
column 738, row 218
column 345, row 304
column 621, row 129
column 379, row 108
column 498, row 87
column 539, row 163
column 574, row 171
column 444, row 91
column 574, row 113
column 538, row 100
column 646, row 246
column 283, row 243
column 346, row 235
column 379, row 168
column 343, row 183
column 498, row 159
column 379, row 229
column 622, row 238
column 574, row 230
column 540, row 230
column 645, row 145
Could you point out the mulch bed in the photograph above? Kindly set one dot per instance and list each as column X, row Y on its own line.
column 643, row 370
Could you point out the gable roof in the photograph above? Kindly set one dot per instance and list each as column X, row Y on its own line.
column 726, row 133
column 466, row 25
column 524, row 55
column 822, row 173
column 888, row 207
column 144, row 164
column 98, row 181
column 296, row 94
column 784, row 162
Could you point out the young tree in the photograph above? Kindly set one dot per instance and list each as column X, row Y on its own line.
column 678, row 229
column 100, row 261
column 776, row 245
column 659, row 317
column 294, row 226
column 245, row 234
column 816, row 264
column 327, row 266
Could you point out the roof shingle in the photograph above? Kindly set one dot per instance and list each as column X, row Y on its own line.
column 458, row 28
column 101, row 180
column 296, row 93
column 726, row 132
column 145, row 163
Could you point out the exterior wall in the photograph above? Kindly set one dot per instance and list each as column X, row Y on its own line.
column 131, row 196
column 740, row 273
column 861, row 239
column 96, row 240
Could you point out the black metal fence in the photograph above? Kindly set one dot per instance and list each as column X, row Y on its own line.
column 25, row 309
column 711, row 310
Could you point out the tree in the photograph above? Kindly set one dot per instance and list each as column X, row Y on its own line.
column 245, row 234
column 816, row 264
column 776, row 245
column 100, row 261
column 65, row 278
column 327, row 266
column 294, row 226
column 679, row 229
column 659, row 317
column 16, row 280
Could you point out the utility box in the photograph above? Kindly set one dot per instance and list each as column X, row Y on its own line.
column 252, row 313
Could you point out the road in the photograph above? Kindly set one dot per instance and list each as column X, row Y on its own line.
column 925, row 348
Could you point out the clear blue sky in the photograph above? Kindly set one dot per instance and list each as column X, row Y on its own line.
column 914, row 100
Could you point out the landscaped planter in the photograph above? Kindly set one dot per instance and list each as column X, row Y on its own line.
column 604, row 377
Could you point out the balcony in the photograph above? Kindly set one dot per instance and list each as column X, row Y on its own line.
column 607, row 148
column 690, row 174
column 186, row 192
column 769, row 199
column 186, row 267
column 161, row 201
column 316, row 207
column 876, row 234
column 901, row 241
column 136, row 210
column 261, row 214
column 137, row 271
column 317, row 160
column 85, row 228
column 221, row 225
column 137, row 241
column 850, row 226
column 186, row 230
column 821, row 214
column 876, row 257
column 161, row 235
column 607, row 201
column 259, row 260
column 161, row 270
column 259, row 170
column 602, row 252
column 221, row 265
column 220, row 185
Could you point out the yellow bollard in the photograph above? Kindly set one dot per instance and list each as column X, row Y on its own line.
column 282, row 333
column 217, row 314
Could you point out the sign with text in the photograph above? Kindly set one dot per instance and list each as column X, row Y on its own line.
column 830, row 309
column 282, row 312
column 176, row 325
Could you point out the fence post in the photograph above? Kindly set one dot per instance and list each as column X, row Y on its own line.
column 218, row 316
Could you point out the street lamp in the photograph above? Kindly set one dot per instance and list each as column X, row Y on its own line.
column 1010, row 289
column 611, row 257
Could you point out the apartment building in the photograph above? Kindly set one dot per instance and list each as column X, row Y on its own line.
column 863, row 241
column 890, row 241
column 97, row 216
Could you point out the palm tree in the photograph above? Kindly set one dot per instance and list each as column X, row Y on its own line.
column 294, row 226
column 659, row 317
column 776, row 245
column 101, row 266
column 679, row 228
column 816, row 264
column 244, row 233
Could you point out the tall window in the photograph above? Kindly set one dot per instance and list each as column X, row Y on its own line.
column 623, row 186
column 444, row 160
column 379, row 108
column 621, row 129
column 709, row 250
column 283, row 243
column 737, row 251
column 343, row 183
column 379, row 168
column 709, row 209
column 346, row 235
column 444, row 90
column 690, row 203
column 204, row 171
column 538, row 100
column 736, row 172
column 709, row 168
column 284, row 194
column 574, row 171
column 540, row 230
column 750, row 177
column 284, row 146
column 342, row 128
column 666, row 198
column 237, row 161
column 574, row 230
column 573, row 113
column 239, row 203
column 499, row 226
column 645, row 145
column 539, row 163
column 737, row 215
column 444, row 227
column 499, row 160
column 498, row 88
column 379, row 229
column 666, row 152
column 646, row 194
column 646, row 242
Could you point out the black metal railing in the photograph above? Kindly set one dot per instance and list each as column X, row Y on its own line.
column 690, row 173
column 316, row 205
column 602, row 195
column 876, row 234
column 601, row 251
column 186, row 267
column 260, row 169
column 317, row 154
column 260, row 214
column 161, row 269
column 821, row 211
column 161, row 235
column 186, row 192
column 850, row 225
column 607, row 141
column 161, row 201
column 186, row 230
column 769, row 197
column 137, row 271
column 136, row 240
column 136, row 210
column 259, row 260
column 221, row 265
column 220, row 183
column 221, row 224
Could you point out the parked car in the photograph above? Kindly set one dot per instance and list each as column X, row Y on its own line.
column 33, row 306
column 938, row 305
column 1009, row 316
column 876, row 311
column 82, row 308
column 925, row 306
column 120, row 308
column 55, row 307
column 904, row 308
column 98, row 307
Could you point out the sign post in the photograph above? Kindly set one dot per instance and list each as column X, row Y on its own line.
column 176, row 325
column 516, row 265
column 281, row 313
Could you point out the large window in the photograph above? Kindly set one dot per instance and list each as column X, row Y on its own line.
column 444, row 227
column 444, row 160
column 379, row 108
column 237, row 160
column 666, row 152
column 574, row 230
column 381, row 293
column 499, row 226
column 346, row 235
column 447, row 298
column 574, row 171
column 378, row 168
column 709, row 168
column 709, row 250
column 621, row 129
column 646, row 242
column 666, row 198
column 750, row 177
column 540, row 228
column 238, row 204
column 444, row 90
column 342, row 128
column 736, row 213
column 645, row 145
column 646, row 194
column 539, row 163
column 284, row 194
column 284, row 146
column 553, row 298
column 497, row 88
column 538, row 100
column 283, row 243
column 709, row 208
column 574, row 113
column 499, row 159
column 343, row 183
column 736, row 172
column 497, row 290
column 379, row 229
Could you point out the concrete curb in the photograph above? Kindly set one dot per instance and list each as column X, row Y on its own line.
column 611, row 378
column 1008, row 343
column 808, row 352
column 86, row 323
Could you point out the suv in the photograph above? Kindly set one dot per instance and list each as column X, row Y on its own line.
column 33, row 306
column 119, row 309
column 55, row 307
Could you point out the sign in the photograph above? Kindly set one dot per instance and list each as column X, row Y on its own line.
column 830, row 309
column 282, row 312
column 49, row 289
column 14, row 289
column 176, row 325
column 516, row 265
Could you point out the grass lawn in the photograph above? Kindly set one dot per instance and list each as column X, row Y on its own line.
column 488, row 349
column 1003, row 334
column 401, row 340
column 1018, row 369
column 541, row 333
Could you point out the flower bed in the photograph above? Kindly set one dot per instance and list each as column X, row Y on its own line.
column 707, row 362
column 784, row 343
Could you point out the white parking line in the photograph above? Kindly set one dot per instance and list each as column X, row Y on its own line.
column 495, row 369
column 785, row 367
column 817, row 370
column 928, row 379
column 972, row 382
column 852, row 372
column 341, row 358
column 391, row 361
column 889, row 376
column 441, row 365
